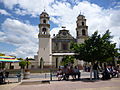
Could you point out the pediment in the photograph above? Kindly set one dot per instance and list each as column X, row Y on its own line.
column 63, row 34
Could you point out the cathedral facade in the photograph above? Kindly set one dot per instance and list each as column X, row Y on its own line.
column 52, row 50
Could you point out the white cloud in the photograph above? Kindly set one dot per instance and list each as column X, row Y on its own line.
column 34, row 7
column 20, row 12
column 97, row 18
column 116, row 4
column 114, row 16
column 22, row 35
column 54, row 31
column 4, row 12
column 1, row 33
column 9, row 3
column 62, row 14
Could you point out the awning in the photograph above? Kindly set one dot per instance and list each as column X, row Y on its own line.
column 62, row 54
column 8, row 59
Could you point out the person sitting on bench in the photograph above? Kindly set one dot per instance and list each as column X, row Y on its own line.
column 76, row 72
column 59, row 74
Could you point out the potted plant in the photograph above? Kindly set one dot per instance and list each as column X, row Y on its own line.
column 25, row 71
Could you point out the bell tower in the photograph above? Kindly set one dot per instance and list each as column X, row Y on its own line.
column 82, row 29
column 44, row 53
column 44, row 26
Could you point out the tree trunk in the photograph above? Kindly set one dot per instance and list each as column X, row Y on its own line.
column 27, row 63
column 10, row 66
column 22, row 72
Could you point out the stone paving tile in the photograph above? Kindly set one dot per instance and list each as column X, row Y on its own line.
column 103, row 88
column 8, row 86
column 113, row 84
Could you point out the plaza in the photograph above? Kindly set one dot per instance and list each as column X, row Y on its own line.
column 34, row 83
column 60, row 45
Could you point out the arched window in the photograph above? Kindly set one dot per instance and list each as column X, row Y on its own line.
column 44, row 21
column 82, row 23
column 83, row 32
column 44, row 31
column 77, row 33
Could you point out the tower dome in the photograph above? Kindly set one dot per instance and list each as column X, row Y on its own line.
column 44, row 14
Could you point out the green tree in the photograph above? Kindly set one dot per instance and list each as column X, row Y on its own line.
column 22, row 64
column 96, row 48
column 1, row 54
column 118, row 62
column 67, row 60
column 27, row 63
column 20, row 58
column 2, row 65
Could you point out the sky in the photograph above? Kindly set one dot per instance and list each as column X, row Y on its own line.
column 19, row 21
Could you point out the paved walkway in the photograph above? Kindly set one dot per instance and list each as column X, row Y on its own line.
column 113, row 84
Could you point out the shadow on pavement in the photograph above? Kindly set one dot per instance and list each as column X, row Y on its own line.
column 35, row 82
column 83, row 80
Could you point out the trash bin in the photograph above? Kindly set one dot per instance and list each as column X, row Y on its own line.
column 19, row 77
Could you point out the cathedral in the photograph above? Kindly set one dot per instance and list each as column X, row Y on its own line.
column 52, row 50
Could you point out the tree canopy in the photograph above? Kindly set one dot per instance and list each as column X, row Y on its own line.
column 22, row 64
column 96, row 48
column 1, row 54
column 67, row 60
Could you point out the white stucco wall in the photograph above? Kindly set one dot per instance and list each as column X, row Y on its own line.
column 45, row 50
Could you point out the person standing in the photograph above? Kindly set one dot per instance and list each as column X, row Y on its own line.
column 95, row 70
